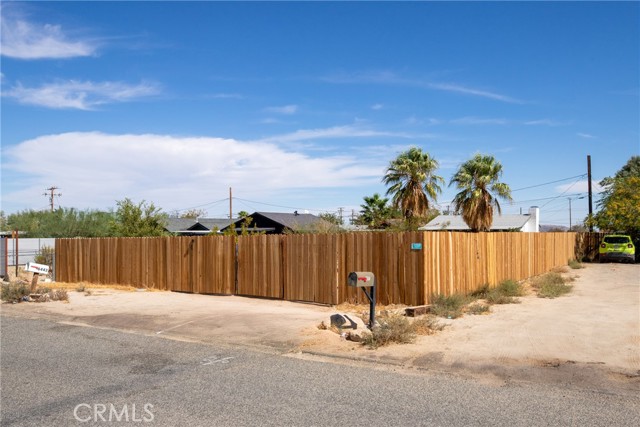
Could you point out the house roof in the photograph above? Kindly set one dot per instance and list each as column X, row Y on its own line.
column 455, row 222
column 203, row 225
column 212, row 223
column 293, row 221
column 175, row 225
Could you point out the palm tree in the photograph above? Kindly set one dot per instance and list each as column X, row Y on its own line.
column 413, row 182
column 374, row 210
column 477, row 179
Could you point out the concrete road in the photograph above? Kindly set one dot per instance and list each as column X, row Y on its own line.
column 62, row 375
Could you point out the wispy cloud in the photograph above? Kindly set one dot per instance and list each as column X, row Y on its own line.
column 285, row 109
column 478, row 121
column 226, row 96
column 335, row 132
column 127, row 165
column 544, row 122
column 377, row 107
column 22, row 39
column 430, row 121
column 80, row 95
column 451, row 87
column 391, row 78
column 585, row 135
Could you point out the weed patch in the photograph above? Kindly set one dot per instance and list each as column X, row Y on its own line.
column 575, row 264
column 551, row 285
column 477, row 308
column 426, row 325
column 393, row 329
column 15, row 291
column 448, row 306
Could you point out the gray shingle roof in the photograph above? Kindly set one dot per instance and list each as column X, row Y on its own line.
column 214, row 223
column 179, row 224
column 292, row 220
column 455, row 222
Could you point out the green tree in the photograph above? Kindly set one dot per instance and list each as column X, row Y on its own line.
column 620, row 203
column 62, row 222
column 332, row 218
column 413, row 182
column 193, row 214
column 375, row 211
column 243, row 214
column 138, row 220
column 478, row 180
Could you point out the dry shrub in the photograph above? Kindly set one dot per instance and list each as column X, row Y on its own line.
column 392, row 329
column 551, row 285
column 427, row 325
column 478, row 309
column 448, row 306
column 15, row 291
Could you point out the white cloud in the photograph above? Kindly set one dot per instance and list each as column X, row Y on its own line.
column 286, row 109
column 226, row 96
column 25, row 40
column 451, row 87
column 348, row 131
column 585, row 135
column 94, row 169
column 391, row 78
column 377, row 107
column 543, row 122
column 79, row 95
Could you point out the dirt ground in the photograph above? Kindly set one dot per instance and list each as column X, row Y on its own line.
column 583, row 338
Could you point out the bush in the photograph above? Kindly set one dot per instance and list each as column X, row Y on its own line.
column 448, row 306
column 393, row 329
column 481, row 292
column 575, row 264
column 551, row 285
column 14, row 292
column 426, row 325
column 496, row 297
column 510, row 288
column 45, row 256
column 478, row 309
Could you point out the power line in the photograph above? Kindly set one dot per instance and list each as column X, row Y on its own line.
column 550, row 182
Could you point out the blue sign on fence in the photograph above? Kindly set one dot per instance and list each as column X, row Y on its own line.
column 416, row 246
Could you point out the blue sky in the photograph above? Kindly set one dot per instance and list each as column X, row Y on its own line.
column 303, row 105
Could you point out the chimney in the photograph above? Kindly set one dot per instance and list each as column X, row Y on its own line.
column 534, row 211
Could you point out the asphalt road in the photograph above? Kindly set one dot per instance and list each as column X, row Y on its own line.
column 62, row 375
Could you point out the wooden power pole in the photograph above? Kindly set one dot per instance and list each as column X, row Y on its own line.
column 590, row 193
column 52, row 195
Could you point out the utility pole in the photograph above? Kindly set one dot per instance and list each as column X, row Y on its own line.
column 230, row 204
column 590, row 194
column 340, row 210
column 569, row 213
column 52, row 195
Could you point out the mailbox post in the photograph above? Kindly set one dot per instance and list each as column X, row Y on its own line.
column 364, row 280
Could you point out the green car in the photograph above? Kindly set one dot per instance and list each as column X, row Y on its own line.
column 617, row 247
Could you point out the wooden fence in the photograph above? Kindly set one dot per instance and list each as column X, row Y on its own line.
column 410, row 267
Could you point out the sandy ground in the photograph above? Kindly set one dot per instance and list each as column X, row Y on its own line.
column 591, row 333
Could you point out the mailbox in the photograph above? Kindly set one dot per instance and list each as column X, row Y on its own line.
column 361, row 279
column 37, row 268
column 364, row 280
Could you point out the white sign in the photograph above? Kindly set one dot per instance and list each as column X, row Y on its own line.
column 37, row 268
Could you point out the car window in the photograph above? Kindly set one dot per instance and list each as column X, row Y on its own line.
column 616, row 239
